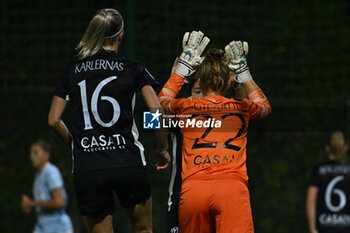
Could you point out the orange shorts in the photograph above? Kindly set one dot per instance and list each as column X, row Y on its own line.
column 222, row 204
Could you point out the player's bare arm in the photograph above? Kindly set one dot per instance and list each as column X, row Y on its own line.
column 152, row 102
column 58, row 105
column 56, row 202
column 311, row 208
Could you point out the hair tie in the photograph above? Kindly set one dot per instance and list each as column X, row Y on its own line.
column 116, row 34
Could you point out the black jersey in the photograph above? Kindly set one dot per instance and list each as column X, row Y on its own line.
column 333, row 205
column 175, row 181
column 102, row 91
column 172, row 221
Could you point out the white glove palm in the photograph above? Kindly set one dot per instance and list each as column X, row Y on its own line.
column 193, row 45
column 237, row 52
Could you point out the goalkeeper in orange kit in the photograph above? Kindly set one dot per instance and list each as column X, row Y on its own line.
column 214, row 191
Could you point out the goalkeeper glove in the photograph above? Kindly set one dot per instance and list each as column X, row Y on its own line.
column 193, row 45
column 237, row 52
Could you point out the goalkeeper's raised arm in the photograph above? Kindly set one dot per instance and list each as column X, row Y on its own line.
column 193, row 45
column 236, row 52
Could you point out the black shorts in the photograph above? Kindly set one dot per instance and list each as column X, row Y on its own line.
column 172, row 221
column 95, row 189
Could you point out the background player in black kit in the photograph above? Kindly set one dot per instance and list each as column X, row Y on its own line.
column 172, row 222
column 328, row 207
column 107, row 155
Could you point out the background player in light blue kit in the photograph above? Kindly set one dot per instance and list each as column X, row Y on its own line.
column 50, row 197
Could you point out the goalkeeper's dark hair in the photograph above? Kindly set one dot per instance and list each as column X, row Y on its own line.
column 214, row 72
column 104, row 27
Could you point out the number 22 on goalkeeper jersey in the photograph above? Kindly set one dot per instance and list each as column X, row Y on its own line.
column 219, row 149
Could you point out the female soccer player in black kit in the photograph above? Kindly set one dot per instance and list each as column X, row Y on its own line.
column 172, row 220
column 327, row 204
column 108, row 158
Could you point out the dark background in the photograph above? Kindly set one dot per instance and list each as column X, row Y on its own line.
column 299, row 55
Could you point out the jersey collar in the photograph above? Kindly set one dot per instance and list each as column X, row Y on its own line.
column 214, row 98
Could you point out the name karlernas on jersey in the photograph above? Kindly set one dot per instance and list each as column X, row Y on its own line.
column 98, row 64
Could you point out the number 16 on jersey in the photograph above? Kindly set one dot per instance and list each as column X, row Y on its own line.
column 94, row 103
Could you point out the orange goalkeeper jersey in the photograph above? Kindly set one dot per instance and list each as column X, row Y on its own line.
column 214, row 130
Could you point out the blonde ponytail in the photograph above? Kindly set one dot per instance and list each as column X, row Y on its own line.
column 337, row 147
column 104, row 27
